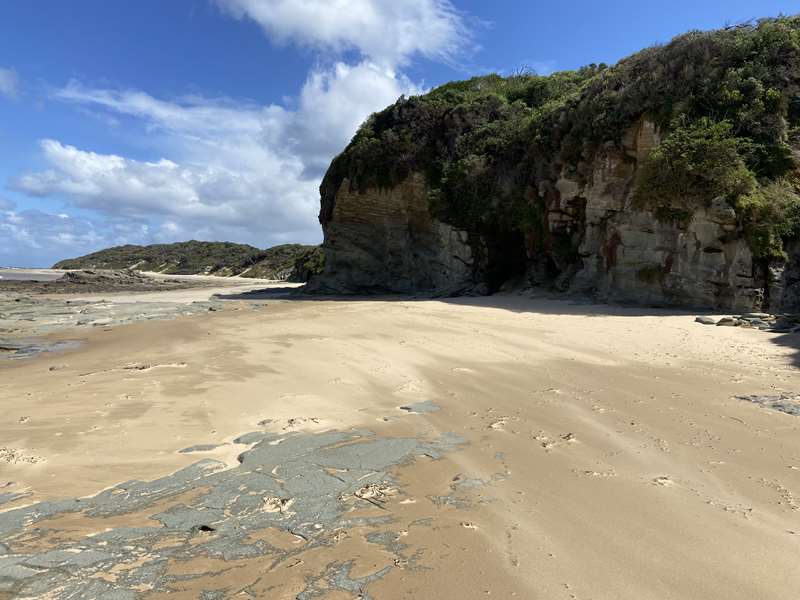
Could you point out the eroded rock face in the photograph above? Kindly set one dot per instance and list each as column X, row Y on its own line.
column 635, row 254
column 389, row 240
column 386, row 240
column 632, row 256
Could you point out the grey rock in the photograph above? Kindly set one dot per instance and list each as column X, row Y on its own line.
column 387, row 240
column 786, row 403
column 728, row 322
column 705, row 320
column 200, row 448
column 319, row 476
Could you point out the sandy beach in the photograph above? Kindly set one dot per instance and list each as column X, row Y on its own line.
column 547, row 449
column 400, row 300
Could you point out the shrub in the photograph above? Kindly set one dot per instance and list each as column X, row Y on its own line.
column 726, row 101
column 696, row 162
column 769, row 214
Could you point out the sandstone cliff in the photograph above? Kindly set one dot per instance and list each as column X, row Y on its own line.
column 668, row 179
column 388, row 240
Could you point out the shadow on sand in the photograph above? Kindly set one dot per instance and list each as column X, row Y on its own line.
column 522, row 302
column 540, row 303
column 791, row 341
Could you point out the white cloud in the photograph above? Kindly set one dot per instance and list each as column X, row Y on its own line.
column 8, row 83
column 36, row 238
column 334, row 103
column 387, row 32
column 203, row 196
column 237, row 170
column 192, row 115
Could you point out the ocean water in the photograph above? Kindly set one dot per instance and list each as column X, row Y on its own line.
column 29, row 275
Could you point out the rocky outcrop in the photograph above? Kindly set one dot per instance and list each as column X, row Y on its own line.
column 783, row 282
column 387, row 240
column 667, row 257
column 671, row 178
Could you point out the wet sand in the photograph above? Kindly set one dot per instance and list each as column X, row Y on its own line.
column 547, row 450
column 31, row 309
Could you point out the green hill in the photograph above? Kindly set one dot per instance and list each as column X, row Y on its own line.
column 225, row 259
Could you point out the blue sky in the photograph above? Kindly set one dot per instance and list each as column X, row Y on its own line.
column 154, row 121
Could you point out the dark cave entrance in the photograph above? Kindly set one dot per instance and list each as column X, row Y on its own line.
column 507, row 257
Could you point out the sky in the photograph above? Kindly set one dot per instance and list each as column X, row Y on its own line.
column 151, row 121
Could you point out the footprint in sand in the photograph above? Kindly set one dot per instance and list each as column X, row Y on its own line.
column 592, row 473
column 295, row 422
column 14, row 456
column 663, row 481
column 499, row 425
column 549, row 443
column 141, row 367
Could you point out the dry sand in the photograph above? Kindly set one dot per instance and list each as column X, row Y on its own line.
column 603, row 453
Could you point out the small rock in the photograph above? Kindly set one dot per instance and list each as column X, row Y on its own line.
column 753, row 320
column 204, row 528
column 705, row 320
column 755, row 315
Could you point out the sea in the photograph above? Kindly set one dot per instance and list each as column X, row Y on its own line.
column 11, row 274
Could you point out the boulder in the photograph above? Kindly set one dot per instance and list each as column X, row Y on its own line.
column 728, row 322
column 705, row 320
column 756, row 315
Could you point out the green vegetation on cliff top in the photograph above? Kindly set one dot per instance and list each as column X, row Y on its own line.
column 294, row 261
column 726, row 103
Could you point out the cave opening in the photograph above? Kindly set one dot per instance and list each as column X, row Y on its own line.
column 507, row 257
